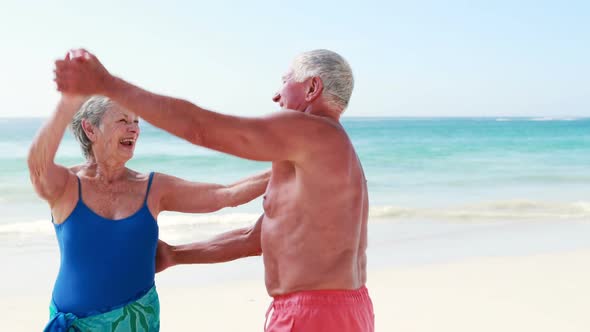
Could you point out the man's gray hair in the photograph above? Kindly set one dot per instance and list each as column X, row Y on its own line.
column 92, row 111
column 333, row 70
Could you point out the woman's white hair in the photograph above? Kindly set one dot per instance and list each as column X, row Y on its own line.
column 92, row 111
column 331, row 68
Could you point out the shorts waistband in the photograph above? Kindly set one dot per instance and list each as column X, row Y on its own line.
column 322, row 297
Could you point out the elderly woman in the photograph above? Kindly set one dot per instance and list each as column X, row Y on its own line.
column 105, row 217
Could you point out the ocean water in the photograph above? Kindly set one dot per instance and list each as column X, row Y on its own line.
column 463, row 170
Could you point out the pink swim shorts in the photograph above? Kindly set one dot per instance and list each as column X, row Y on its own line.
column 322, row 311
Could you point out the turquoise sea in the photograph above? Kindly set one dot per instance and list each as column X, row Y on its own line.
column 464, row 170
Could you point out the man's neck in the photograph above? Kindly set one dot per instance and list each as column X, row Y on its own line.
column 325, row 111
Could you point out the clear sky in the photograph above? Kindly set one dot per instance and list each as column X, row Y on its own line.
column 410, row 58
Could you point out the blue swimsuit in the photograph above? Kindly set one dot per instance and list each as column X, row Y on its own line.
column 105, row 265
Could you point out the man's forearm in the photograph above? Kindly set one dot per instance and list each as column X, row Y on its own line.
column 176, row 116
column 223, row 248
column 239, row 136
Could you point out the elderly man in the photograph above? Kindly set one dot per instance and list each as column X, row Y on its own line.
column 313, row 233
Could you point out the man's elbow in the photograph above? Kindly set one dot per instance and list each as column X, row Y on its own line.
column 193, row 133
column 193, row 136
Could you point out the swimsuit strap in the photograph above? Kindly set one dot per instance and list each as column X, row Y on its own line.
column 79, row 188
column 148, row 187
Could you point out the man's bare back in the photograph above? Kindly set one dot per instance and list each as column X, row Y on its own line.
column 314, row 231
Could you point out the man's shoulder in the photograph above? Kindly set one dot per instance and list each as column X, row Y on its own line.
column 333, row 150
column 315, row 137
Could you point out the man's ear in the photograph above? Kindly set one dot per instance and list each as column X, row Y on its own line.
column 89, row 130
column 315, row 88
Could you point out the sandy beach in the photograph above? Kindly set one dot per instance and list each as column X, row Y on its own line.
column 531, row 293
column 546, row 292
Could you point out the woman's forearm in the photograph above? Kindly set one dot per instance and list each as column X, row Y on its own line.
column 248, row 189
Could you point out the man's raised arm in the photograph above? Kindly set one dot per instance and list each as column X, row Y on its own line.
column 285, row 135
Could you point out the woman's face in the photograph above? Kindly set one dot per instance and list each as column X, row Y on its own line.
column 116, row 136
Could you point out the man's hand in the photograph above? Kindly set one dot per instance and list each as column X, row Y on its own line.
column 164, row 258
column 80, row 73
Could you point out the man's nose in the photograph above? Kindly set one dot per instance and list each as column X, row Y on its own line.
column 276, row 97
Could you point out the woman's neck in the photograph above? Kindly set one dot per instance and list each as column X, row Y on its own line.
column 105, row 171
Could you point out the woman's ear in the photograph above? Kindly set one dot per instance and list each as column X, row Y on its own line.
column 89, row 130
column 315, row 88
